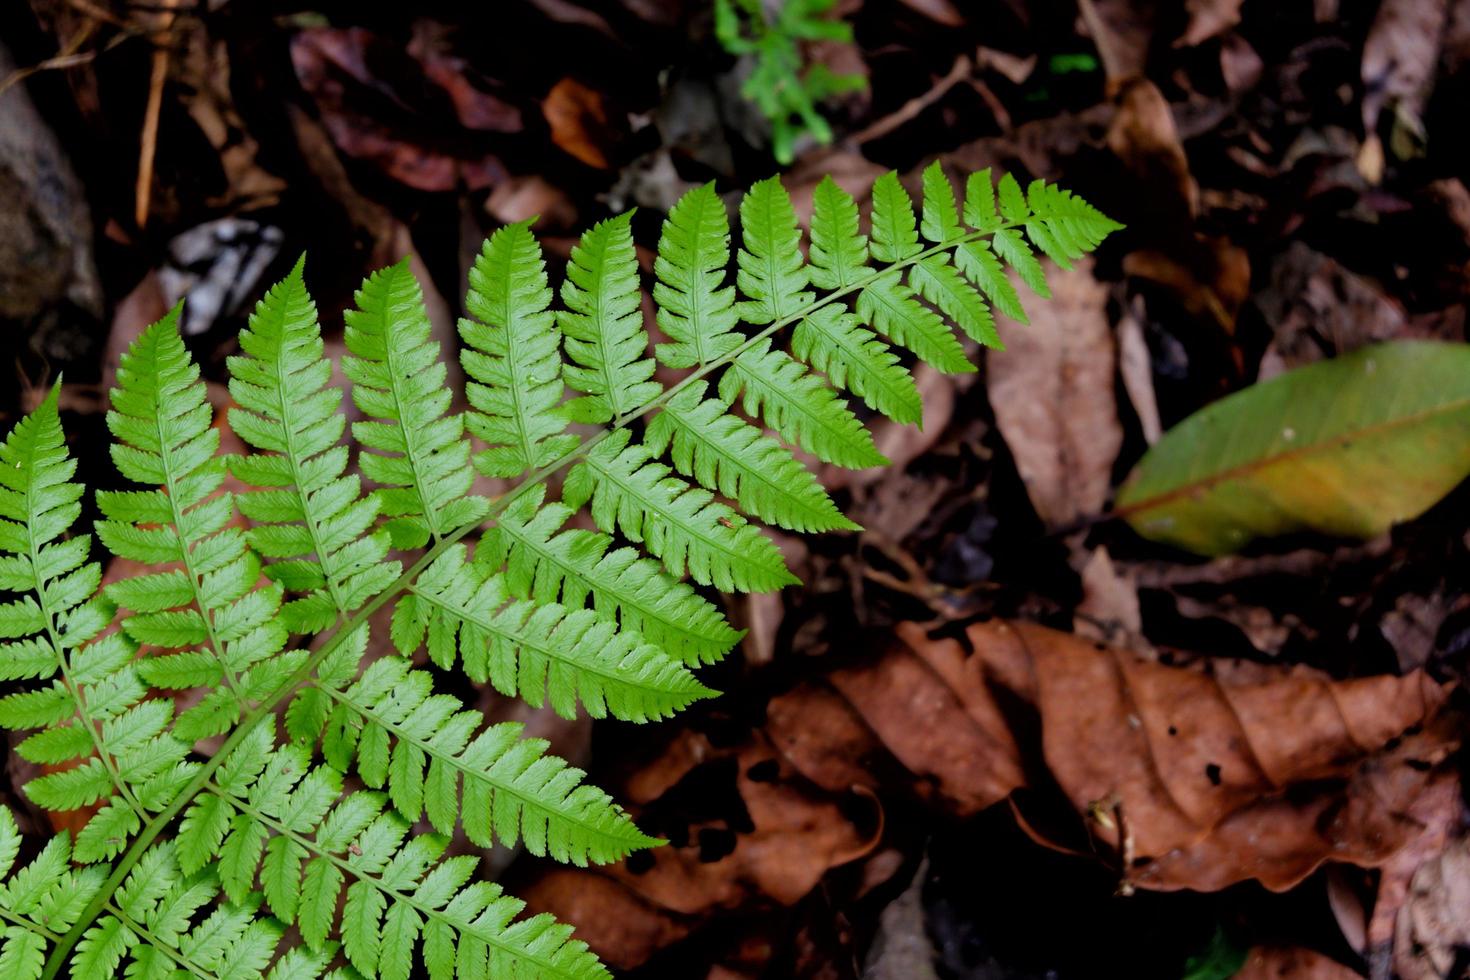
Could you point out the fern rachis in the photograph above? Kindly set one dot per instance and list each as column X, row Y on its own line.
column 201, row 865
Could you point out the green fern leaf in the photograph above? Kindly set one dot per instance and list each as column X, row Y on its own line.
column 941, row 218
column 980, row 212
column 603, row 325
column 800, row 406
column 839, row 252
column 313, row 519
column 540, row 652
column 730, row 456
column 694, row 309
column 939, row 283
column 162, row 423
column 981, row 266
column 1013, row 206
column 92, row 712
column 1011, row 247
column 834, row 341
column 772, row 274
column 547, row 564
column 512, row 355
column 682, row 525
column 889, row 307
column 895, row 234
column 420, row 457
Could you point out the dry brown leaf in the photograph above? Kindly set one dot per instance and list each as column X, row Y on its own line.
column 1135, row 367
column 1400, row 55
column 1207, row 18
column 940, row 11
column 1434, row 923
column 578, row 121
column 1214, row 774
column 1291, row 963
column 1052, row 393
column 335, row 68
column 1122, row 31
column 1109, row 610
column 783, row 835
column 1144, row 136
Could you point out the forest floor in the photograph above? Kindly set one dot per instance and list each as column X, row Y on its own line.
column 897, row 782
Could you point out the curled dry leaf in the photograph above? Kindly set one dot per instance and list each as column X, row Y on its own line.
column 1434, row 923
column 1194, row 777
column 762, row 835
column 578, row 121
column 412, row 125
column 1400, row 56
column 1052, row 393
column 1122, row 31
column 1207, row 18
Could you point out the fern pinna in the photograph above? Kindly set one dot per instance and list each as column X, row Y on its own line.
column 258, row 796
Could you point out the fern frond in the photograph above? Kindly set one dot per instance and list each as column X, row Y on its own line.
column 889, row 307
column 683, row 526
column 694, row 309
column 512, row 354
column 543, row 653
column 726, row 454
column 313, row 521
column 941, row 218
column 152, row 925
column 404, row 900
column 942, row 285
column 420, row 458
column 226, row 632
column 548, row 564
column 603, row 324
column 267, row 843
column 800, row 406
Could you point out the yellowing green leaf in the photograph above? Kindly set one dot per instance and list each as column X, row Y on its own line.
column 1345, row 447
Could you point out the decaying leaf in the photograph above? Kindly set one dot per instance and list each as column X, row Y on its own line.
column 761, row 835
column 578, row 121
column 1052, row 392
column 1346, row 447
column 1194, row 777
column 1434, row 923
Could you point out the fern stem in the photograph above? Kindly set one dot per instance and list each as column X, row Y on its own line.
column 158, row 944
column 28, row 925
column 303, row 673
column 548, row 969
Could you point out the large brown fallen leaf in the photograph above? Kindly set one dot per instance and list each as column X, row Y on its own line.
column 1213, row 773
column 760, row 835
column 1434, row 923
column 1052, row 392
column 1195, row 777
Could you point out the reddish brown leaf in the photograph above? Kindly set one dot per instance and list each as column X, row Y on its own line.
column 578, row 121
